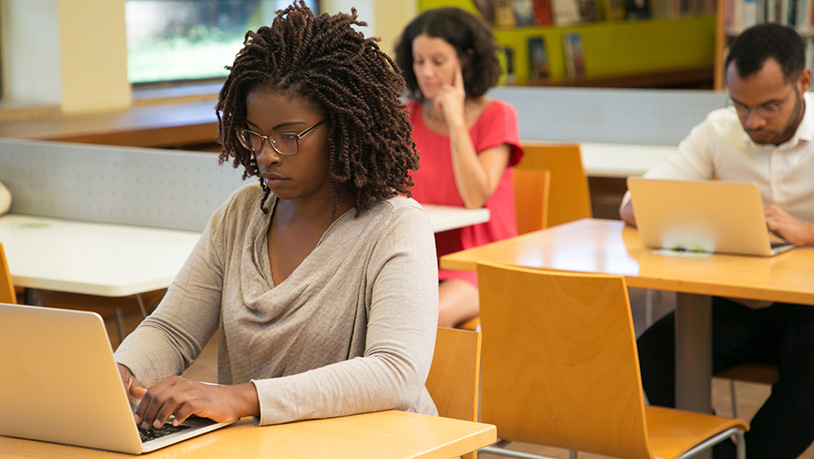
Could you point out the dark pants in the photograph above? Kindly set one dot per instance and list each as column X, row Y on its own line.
column 782, row 334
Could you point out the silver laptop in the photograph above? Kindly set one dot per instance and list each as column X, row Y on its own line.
column 703, row 216
column 60, row 384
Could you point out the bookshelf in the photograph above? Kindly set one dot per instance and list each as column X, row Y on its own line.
column 734, row 16
column 646, row 53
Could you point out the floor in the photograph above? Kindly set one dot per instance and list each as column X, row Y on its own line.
column 750, row 396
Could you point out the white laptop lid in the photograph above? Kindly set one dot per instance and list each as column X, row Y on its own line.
column 701, row 216
column 60, row 383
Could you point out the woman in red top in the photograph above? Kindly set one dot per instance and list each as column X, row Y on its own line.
column 467, row 142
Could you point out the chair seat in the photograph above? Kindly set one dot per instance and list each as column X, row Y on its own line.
column 673, row 432
column 751, row 372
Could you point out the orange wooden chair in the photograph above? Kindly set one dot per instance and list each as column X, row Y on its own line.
column 560, row 368
column 454, row 375
column 569, row 196
column 7, row 293
column 531, row 192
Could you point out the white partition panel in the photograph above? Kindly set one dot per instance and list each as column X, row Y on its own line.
column 133, row 186
column 627, row 116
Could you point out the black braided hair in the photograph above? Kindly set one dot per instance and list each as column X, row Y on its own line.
column 323, row 60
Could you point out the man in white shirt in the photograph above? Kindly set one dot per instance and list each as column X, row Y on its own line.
column 5, row 199
column 765, row 137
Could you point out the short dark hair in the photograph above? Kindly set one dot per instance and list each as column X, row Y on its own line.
column 326, row 62
column 755, row 45
column 470, row 36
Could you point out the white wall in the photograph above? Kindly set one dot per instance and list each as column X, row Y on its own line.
column 70, row 53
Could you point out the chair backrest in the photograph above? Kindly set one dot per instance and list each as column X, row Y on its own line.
column 531, row 191
column 559, row 363
column 7, row 294
column 455, row 372
column 570, row 198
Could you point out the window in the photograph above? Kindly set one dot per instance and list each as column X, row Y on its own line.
column 182, row 40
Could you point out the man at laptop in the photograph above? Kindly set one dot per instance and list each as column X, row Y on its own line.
column 766, row 136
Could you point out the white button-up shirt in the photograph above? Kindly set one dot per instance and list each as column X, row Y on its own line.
column 720, row 148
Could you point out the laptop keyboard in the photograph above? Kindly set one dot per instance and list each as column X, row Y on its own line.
column 152, row 433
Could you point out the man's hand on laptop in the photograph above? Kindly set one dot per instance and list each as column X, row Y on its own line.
column 789, row 228
column 178, row 398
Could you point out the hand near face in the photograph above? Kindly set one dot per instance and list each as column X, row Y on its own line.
column 789, row 228
column 181, row 397
column 450, row 99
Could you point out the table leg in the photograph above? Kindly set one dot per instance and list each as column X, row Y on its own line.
column 693, row 322
column 693, row 352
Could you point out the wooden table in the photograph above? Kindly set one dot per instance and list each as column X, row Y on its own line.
column 610, row 247
column 386, row 434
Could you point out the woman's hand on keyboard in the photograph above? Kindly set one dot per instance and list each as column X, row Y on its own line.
column 180, row 398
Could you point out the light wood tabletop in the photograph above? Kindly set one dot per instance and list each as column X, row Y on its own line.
column 386, row 434
column 611, row 247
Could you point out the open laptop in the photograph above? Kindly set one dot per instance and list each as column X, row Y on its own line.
column 703, row 216
column 60, row 384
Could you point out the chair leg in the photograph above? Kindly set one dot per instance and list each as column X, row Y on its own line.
column 740, row 444
column 119, row 323
column 734, row 397
column 648, row 307
column 572, row 454
column 499, row 451
column 141, row 305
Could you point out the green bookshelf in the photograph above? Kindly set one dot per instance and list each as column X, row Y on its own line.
column 613, row 50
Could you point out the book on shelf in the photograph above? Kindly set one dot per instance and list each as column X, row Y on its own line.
column 613, row 10
column 538, row 59
column 485, row 8
column 574, row 55
column 542, row 12
column 523, row 13
column 565, row 12
column 504, row 13
column 505, row 55
column 637, row 9
column 587, row 11
column 742, row 14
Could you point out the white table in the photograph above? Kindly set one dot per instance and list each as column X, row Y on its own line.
column 92, row 258
column 445, row 218
column 621, row 160
column 120, row 260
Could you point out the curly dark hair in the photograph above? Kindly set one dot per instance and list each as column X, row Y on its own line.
column 755, row 45
column 473, row 42
column 323, row 60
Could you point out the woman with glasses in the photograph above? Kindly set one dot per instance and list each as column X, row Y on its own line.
column 321, row 279
column 468, row 142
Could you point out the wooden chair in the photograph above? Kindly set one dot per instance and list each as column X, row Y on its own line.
column 531, row 191
column 560, row 368
column 570, row 197
column 454, row 375
column 7, row 292
column 760, row 373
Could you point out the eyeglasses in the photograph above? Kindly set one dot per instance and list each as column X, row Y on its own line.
column 765, row 111
column 286, row 144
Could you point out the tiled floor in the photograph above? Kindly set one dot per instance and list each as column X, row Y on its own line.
column 750, row 396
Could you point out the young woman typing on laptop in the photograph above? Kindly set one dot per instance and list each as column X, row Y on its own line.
column 321, row 280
